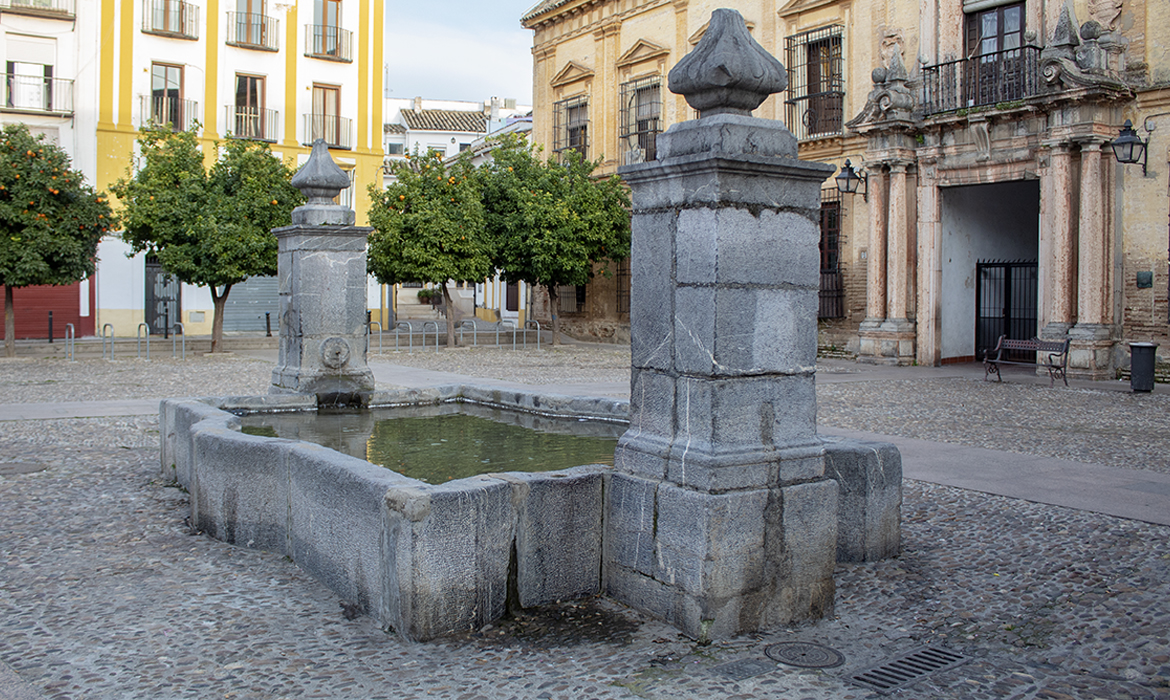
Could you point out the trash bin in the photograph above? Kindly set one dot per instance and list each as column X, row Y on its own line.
column 1141, row 366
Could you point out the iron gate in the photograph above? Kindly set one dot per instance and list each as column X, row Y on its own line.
column 1006, row 304
column 162, row 297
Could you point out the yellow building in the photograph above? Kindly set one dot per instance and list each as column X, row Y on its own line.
column 284, row 73
column 600, row 85
column 990, row 200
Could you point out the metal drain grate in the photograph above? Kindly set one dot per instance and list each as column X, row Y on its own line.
column 804, row 655
column 907, row 669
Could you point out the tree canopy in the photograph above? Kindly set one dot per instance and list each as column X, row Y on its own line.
column 212, row 228
column 552, row 222
column 429, row 227
column 50, row 220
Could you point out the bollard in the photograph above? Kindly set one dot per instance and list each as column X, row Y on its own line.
column 50, row 326
column 167, row 322
column 268, row 324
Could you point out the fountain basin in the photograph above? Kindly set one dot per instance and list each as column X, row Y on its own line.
column 429, row 560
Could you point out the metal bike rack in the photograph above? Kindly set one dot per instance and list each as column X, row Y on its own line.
column 69, row 341
column 474, row 334
column 409, row 334
column 506, row 324
column 536, row 324
column 142, row 325
column 424, row 334
column 181, row 331
column 109, row 326
column 369, row 332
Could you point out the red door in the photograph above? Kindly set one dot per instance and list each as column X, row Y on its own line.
column 33, row 304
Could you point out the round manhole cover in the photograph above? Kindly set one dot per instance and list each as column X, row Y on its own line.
column 804, row 655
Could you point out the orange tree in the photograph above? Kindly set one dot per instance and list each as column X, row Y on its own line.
column 552, row 223
column 429, row 227
column 210, row 229
column 50, row 220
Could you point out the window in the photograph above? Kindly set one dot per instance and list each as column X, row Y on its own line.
column 172, row 18
column 327, row 38
column 816, row 85
column 250, row 117
column 993, row 41
column 345, row 197
column 251, row 27
column 326, row 121
column 832, row 293
column 641, row 105
column 623, row 286
column 166, row 95
column 28, row 86
column 571, row 126
column 570, row 298
column 395, row 149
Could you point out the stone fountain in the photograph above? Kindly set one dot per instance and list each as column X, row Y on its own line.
column 725, row 512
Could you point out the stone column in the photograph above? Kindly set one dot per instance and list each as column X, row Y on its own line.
column 322, row 284
column 720, row 518
column 1092, row 345
column 875, row 296
column 1057, row 228
column 898, row 249
column 929, row 346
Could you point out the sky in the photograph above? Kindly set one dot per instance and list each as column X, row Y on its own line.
column 458, row 49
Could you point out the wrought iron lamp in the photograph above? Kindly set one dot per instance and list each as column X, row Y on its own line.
column 849, row 180
column 1127, row 147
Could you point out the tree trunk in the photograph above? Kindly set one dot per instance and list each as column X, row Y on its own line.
column 219, row 302
column 9, row 324
column 554, row 307
column 451, row 320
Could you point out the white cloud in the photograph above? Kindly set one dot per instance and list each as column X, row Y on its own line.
column 447, row 62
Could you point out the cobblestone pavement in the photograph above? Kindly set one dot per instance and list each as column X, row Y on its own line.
column 106, row 593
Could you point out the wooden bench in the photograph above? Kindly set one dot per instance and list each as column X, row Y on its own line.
column 1056, row 363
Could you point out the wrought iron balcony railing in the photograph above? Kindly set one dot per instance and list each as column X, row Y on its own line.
column 61, row 9
column 253, row 31
column 982, row 81
column 816, row 115
column 30, row 93
column 179, row 114
column 328, row 42
column 172, row 18
column 337, row 131
column 252, row 123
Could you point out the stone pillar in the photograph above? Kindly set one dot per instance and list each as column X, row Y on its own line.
column 1090, row 353
column 875, row 296
column 322, row 284
column 1057, row 229
column 898, row 329
column 929, row 345
column 719, row 517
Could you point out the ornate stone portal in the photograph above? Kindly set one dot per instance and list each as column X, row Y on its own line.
column 720, row 518
column 322, row 284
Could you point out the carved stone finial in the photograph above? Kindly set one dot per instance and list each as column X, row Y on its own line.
column 1065, row 34
column 728, row 72
column 319, row 179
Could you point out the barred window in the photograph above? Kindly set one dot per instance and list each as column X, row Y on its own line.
column 832, row 293
column 641, row 105
column 571, row 126
column 816, row 84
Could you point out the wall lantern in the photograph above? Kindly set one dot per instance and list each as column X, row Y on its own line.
column 1128, row 148
column 849, row 180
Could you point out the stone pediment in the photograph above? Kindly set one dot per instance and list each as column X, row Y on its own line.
column 641, row 51
column 697, row 36
column 571, row 73
column 795, row 7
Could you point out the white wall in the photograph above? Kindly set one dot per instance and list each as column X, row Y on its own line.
column 981, row 222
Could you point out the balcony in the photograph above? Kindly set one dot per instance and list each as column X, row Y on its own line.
column 55, row 9
column 252, row 123
column 37, row 95
column 328, row 42
column 982, row 81
column 337, row 131
column 173, row 18
column 817, row 115
column 253, row 31
column 179, row 114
